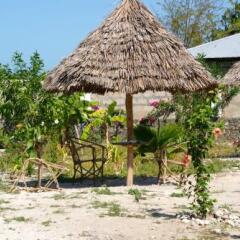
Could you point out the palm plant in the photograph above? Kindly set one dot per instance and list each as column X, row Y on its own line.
column 160, row 141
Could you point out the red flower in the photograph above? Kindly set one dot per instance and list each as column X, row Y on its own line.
column 217, row 132
column 186, row 160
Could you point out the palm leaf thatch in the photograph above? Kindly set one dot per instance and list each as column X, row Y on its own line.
column 131, row 52
column 232, row 78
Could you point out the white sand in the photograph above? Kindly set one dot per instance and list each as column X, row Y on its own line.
column 70, row 214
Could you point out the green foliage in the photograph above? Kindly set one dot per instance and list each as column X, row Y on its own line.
column 17, row 219
column 178, row 194
column 215, row 69
column 31, row 116
column 199, row 124
column 102, row 191
column 225, row 94
column 192, row 21
column 3, row 186
column 104, row 119
column 230, row 22
column 217, row 165
column 113, row 208
column 46, row 223
column 136, row 193
column 167, row 137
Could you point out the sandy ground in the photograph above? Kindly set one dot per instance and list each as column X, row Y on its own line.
column 81, row 213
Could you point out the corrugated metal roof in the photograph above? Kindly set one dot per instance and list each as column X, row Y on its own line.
column 228, row 47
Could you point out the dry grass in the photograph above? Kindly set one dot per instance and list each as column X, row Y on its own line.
column 232, row 78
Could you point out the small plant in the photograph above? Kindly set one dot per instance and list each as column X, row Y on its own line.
column 55, row 206
column 59, row 211
column 135, row 216
column 17, row 219
column 21, row 219
column 113, row 209
column 178, row 195
column 102, row 191
column 59, row 196
column 46, row 223
column 3, row 187
column 6, row 209
column 75, row 206
column 3, row 201
column 136, row 193
column 97, row 204
column 227, row 207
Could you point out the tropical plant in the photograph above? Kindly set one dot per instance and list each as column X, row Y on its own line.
column 31, row 117
column 160, row 141
column 104, row 119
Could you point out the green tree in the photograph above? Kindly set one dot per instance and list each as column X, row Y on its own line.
column 31, row 116
column 191, row 20
column 230, row 21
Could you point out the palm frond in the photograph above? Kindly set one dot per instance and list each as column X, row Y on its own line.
column 144, row 134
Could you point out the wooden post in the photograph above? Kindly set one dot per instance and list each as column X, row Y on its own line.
column 164, row 166
column 39, row 175
column 129, row 109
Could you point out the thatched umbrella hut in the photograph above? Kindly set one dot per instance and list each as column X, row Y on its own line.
column 232, row 78
column 129, row 53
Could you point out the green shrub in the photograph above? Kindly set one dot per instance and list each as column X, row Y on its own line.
column 136, row 193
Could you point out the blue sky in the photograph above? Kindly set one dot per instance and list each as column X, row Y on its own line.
column 52, row 27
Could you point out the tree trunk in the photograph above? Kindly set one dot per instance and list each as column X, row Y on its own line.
column 161, row 158
column 38, row 149
column 107, row 134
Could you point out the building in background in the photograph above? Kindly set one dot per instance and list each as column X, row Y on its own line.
column 225, row 52
column 140, row 101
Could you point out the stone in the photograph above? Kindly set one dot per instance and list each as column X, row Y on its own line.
column 217, row 231
column 231, row 223
column 185, row 221
column 218, row 213
column 202, row 222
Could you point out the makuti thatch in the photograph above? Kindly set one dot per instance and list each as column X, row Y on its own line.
column 130, row 53
column 232, row 78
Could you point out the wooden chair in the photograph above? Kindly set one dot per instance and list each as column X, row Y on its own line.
column 88, row 158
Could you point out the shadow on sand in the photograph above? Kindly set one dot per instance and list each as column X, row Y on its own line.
column 110, row 181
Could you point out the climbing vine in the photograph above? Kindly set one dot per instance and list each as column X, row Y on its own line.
column 201, row 125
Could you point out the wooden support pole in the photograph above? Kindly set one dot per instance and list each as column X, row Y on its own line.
column 129, row 109
column 39, row 175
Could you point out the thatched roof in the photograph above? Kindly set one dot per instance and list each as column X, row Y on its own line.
column 130, row 53
column 232, row 78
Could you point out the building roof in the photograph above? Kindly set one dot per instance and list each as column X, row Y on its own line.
column 228, row 47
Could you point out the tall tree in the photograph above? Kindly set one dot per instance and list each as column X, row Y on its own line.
column 191, row 20
column 230, row 21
